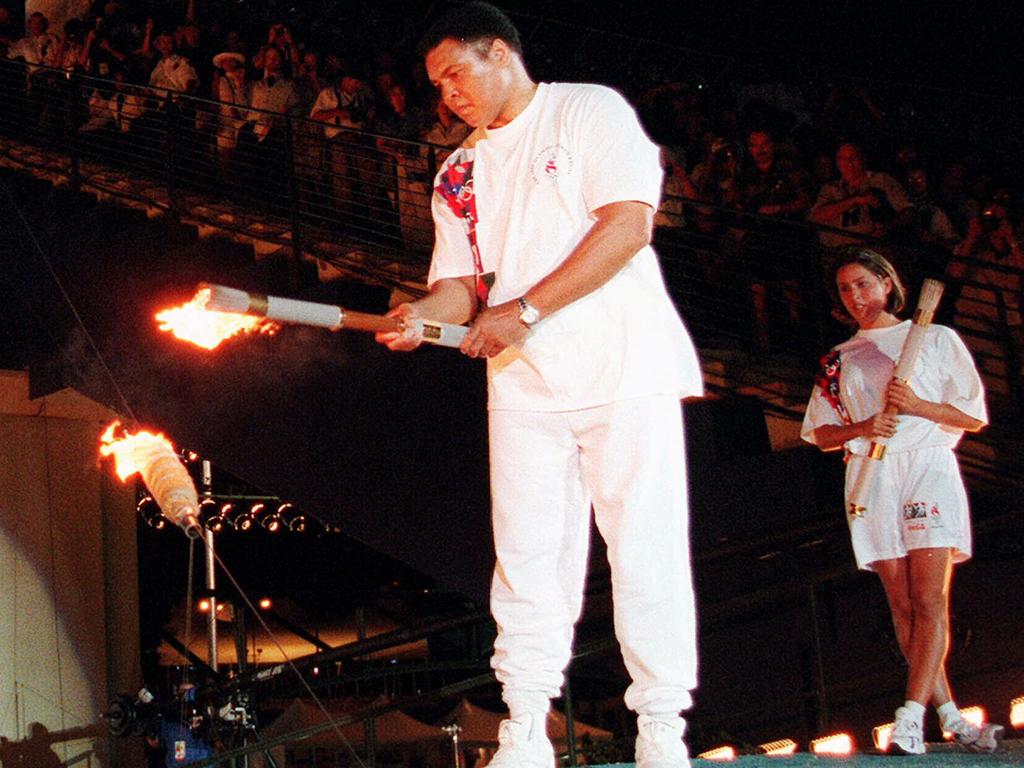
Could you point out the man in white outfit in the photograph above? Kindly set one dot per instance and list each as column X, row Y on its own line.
column 543, row 219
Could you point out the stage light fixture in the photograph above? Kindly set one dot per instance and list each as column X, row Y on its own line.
column 297, row 524
column 203, row 606
column 1017, row 712
column 265, row 603
column 779, row 748
column 270, row 521
column 974, row 715
column 882, row 735
column 243, row 521
column 211, row 517
column 834, row 744
column 720, row 754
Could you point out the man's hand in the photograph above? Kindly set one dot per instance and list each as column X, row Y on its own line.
column 493, row 330
column 398, row 341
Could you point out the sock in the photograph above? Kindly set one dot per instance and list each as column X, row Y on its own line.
column 915, row 709
column 534, row 703
column 948, row 713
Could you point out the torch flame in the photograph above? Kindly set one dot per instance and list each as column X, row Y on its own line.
column 153, row 457
column 117, row 442
column 194, row 323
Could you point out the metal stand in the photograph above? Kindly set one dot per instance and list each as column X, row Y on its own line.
column 211, row 573
column 454, row 730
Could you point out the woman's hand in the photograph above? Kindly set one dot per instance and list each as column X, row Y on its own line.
column 903, row 398
column 880, row 425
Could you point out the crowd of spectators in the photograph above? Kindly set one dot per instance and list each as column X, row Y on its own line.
column 768, row 177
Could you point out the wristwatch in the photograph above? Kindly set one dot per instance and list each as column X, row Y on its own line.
column 528, row 314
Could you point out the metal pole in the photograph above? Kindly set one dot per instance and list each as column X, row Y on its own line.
column 370, row 726
column 211, row 573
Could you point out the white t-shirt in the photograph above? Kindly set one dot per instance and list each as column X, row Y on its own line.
column 863, row 367
column 574, row 149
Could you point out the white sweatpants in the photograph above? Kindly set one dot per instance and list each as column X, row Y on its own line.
column 627, row 458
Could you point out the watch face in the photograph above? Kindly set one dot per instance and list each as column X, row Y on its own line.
column 529, row 315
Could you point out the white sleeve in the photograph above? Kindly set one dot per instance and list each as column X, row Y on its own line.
column 452, row 255
column 819, row 413
column 961, row 386
column 618, row 162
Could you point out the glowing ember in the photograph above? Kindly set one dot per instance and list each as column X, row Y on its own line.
column 117, row 442
column 194, row 323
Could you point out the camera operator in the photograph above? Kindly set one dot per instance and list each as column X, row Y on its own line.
column 184, row 739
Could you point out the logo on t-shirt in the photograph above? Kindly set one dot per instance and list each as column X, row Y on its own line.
column 551, row 164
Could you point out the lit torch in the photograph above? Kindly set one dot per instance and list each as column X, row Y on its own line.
column 196, row 322
column 217, row 313
column 165, row 476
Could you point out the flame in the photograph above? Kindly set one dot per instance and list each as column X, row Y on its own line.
column 194, row 323
column 117, row 442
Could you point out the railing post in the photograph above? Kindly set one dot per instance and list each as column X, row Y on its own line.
column 295, row 263
column 820, row 693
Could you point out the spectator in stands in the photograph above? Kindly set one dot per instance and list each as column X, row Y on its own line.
column 307, row 79
column 447, row 130
column 233, row 93
column 675, row 188
column 273, row 97
column 115, row 111
column 117, row 37
column 346, row 108
column 263, row 142
column 862, row 202
column 279, row 37
column 776, row 190
column 988, row 269
column 39, row 46
column 190, row 45
column 172, row 72
column 9, row 31
column 932, row 226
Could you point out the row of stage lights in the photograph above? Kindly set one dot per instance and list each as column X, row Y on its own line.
column 840, row 744
column 220, row 514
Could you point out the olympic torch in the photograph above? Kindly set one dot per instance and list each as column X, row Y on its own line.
column 218, row 312
column 928, row 302
column 153, row 457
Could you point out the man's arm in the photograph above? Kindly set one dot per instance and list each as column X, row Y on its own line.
column 621, row 229
column 450, row 300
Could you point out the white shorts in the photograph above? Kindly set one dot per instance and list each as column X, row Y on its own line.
column 917, row 501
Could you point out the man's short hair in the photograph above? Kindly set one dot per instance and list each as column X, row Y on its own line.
column 470, row 23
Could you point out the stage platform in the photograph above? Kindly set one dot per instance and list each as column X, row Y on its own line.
column 938, row 756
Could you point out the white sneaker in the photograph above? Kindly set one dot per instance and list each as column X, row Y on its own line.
column 523, row 743
column 967, row 735
column 907, row 734
column 659, row 743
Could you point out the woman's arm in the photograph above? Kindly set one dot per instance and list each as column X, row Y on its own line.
column 902, row 396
